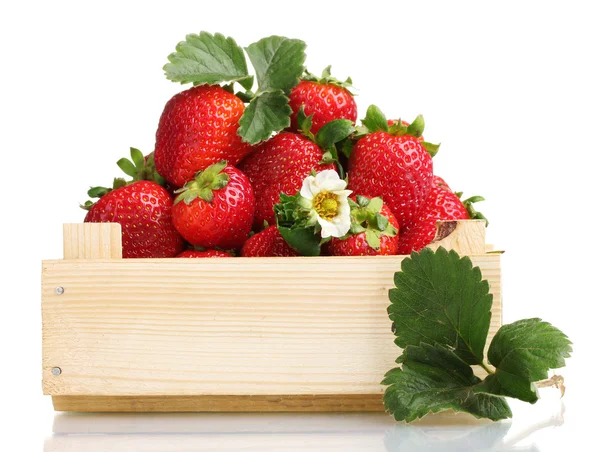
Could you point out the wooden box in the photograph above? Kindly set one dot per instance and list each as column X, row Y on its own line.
column 243, row 334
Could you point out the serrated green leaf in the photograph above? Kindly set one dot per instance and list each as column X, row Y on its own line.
column 208, row 59
column 334, row 132
column 278, row 62
column 433, row 379
column 441, row 298
column 523, row 352
column 375, row 120
column 267, row 113
column 345, row 147
column 303, row 240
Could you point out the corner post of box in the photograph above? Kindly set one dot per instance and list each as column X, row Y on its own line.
column 466, row 237
column 92, row 241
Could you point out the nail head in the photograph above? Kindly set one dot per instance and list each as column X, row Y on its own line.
column 56, row 371
column 60, row 290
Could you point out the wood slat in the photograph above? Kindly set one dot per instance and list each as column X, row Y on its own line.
column 92, row 241
column 247, row 326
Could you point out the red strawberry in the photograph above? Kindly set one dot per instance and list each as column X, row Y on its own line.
column 197, row 128
column 391, row 122
column 441, row 204
column 326, row 99
column 279, row 165
column 268, row 242
column 394, row 164
column 374, row 231
column 216, row 208
column 201, row 254
column 143, row 209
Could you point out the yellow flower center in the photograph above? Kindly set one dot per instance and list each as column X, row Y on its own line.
column 326, row 205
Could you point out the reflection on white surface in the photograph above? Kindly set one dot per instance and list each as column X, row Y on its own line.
column 287, row 432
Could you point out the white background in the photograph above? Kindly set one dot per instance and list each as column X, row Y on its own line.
column 511, row 89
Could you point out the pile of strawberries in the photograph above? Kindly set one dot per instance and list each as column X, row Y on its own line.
column 227, row 172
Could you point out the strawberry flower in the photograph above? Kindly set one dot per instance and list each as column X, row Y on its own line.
column 326, row 199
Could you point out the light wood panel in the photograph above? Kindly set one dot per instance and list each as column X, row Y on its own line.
column 466, row 237
column 92, row 241
column 247, row 326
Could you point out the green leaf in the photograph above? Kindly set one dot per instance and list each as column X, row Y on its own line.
column 523, row 352
column 208, row 59
column 303, row 240
column 375, row 120
column 441, row 298
column 267, row 113
column 345, row 147
column 362, row 201
column 433, row 379
column 417, row 127
column 381, row 222
column 334, row 132
column 278, row 62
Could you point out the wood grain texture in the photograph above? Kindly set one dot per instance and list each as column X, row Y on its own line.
column 246, row 326
column 466, row 237
column 92, row 241
column 221, row 403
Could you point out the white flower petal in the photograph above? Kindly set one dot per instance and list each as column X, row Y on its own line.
column 307, row 188
column 330, row 180
column 328, row 229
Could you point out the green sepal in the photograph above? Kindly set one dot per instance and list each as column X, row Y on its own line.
column 473, row 214
column 345, row 147
column 204, row 184
column 365, row 216
column 327, row 78
column 431, row 148
column 305, row 123
column 398, row 129
column 375, row 120
column 417, row 127
column 245, row 96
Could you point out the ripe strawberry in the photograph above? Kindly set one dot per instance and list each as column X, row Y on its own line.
column 197, row 128
column 279, row 165
column 441, row 204
column 216, row 208
column 202, row 254
column 392, row 163
column 267, row 243
column 143, row 209
column 326, row 99
column 374, row 231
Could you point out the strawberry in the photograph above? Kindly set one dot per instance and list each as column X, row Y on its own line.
column 266, row 243
column 216, row 208
column 392, row 163
column 202, row 254
column 441, row 204
column 325, row 98
column 374, row 230
column 197, row 128
column 143, row 209
column 279, row 165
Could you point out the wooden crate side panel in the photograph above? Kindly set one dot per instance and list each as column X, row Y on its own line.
column 92, row 241
column 307, row 326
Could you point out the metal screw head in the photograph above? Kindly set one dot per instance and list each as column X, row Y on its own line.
column 60, row 290
column 56, row 371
